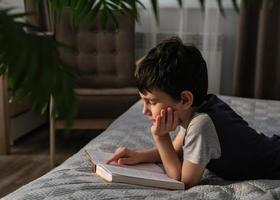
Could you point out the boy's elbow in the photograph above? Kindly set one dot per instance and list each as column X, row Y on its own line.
column 177, row 177
column 190, row 183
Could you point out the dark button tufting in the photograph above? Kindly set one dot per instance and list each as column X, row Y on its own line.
column 114, row 52
column 93, row 52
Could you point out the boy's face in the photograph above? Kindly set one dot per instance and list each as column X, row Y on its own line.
column 155, row 101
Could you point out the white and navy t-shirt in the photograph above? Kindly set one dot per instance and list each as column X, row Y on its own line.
column 201, row 142
column 225, row 142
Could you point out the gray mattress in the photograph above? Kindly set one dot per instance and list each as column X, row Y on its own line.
column 74, row 180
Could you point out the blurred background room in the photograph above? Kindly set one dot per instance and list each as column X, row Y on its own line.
column 238, row 39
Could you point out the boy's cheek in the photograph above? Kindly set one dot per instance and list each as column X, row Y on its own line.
column 156, row 111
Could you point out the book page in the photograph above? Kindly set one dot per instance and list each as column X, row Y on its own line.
column 101, row 157
column 148, row 175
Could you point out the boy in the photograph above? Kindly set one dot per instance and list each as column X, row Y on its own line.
column 172, row 82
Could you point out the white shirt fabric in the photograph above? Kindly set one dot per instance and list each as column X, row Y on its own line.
column 201, row 142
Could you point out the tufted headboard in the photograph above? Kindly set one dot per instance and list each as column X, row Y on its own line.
column 103, row 58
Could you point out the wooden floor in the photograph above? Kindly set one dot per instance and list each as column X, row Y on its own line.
column 29, row 158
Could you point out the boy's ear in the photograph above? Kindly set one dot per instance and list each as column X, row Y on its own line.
column 186, row 99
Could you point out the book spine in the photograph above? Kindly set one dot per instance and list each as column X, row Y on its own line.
column 93, row 165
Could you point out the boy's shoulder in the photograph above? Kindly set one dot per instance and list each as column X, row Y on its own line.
column 200, row 121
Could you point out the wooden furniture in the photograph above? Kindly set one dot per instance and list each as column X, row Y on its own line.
column 79, row 124
column 105, row 62
column 4, row 117
column 16, row 118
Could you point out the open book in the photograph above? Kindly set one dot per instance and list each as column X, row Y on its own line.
column 146, row 174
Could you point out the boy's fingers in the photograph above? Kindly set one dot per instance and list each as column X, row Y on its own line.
column 125, row 161
column 162, row 120
column 175, row 120
column 169, row 121
column 161, row 125
column 114, row 158
column 157, row 125
column 120, row 152
column 110, row 160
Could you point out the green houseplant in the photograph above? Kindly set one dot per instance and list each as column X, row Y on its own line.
column 32, row 61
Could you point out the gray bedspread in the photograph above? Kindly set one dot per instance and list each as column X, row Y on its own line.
column 74, row 180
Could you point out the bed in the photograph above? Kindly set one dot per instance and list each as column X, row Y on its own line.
column 73, row 179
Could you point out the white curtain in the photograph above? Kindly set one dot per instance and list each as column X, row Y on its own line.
column 204, row 30
column 17, row 5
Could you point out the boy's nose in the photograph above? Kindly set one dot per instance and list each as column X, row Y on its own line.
column 145, row 110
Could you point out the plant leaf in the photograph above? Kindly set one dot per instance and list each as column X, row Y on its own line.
column 180, row 2
column 34, row 67
column 202, row 4
column 155, row 9
column 235, row 5
column 221, row 8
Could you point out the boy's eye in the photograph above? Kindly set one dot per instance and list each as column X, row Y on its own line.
column 152, row 102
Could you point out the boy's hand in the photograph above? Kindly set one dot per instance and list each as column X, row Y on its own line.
column 167, row 121
column 124, row 156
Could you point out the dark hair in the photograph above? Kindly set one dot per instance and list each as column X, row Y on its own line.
column 173, row 67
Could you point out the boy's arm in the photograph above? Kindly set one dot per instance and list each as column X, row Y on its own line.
column 152, row 155
column 187, row 172
column 126, row 156
column 191, row 173
column 178, row 142
column 149, row 155
column 168, row 155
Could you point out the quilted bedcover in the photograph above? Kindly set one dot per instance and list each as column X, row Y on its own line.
column 73, row 179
